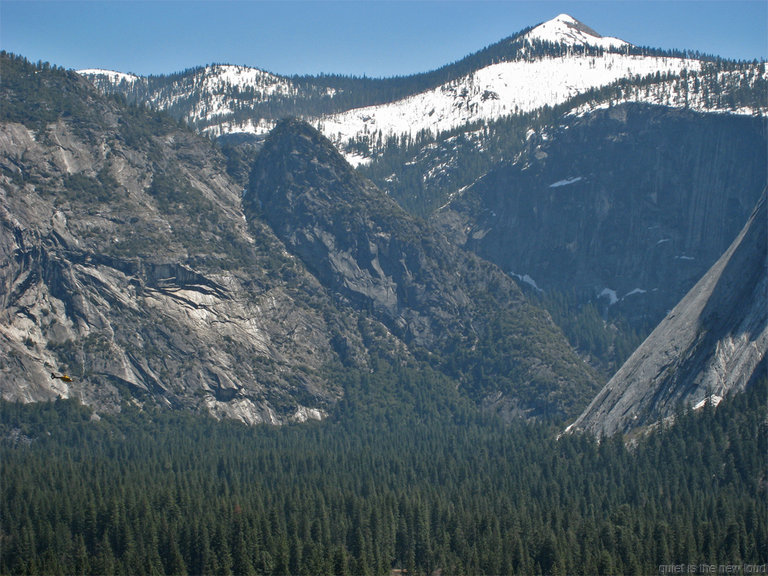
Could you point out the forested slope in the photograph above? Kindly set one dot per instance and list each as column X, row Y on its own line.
column 172, row 493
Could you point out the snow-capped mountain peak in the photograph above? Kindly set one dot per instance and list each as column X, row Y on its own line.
column 223, row 100
column 565, row 29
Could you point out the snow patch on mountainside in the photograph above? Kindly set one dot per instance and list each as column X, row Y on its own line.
column 566, row 182
column 527, row 280
column 494, row 92
column 610, row 294
column 261, row 127
column 635, row 291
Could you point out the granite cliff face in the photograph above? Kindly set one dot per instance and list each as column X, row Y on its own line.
column 712, row 344
column 448, row 306
column 126, row 263
column 626, row 207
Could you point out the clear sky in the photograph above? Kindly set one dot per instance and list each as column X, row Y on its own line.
column 360, row 37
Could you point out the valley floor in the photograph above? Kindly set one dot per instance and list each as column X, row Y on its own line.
column 377, row 488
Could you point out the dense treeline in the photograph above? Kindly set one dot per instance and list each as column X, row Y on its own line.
column 383, row 484
column 607, row 343
column 56, row 85
column 38, row 94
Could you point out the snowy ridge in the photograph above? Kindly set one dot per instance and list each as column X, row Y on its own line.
column 220, row 77
column 210, row 90
column 565, row 29
column 110, row 75
column 212, row 95
column 226, row 99
column 494, row 92
column 697, row 91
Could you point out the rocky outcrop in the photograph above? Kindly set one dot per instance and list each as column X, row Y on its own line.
column 460, row 312
column 126, row 330
column 712, row 344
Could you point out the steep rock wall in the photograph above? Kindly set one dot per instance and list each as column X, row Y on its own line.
column 713, row 343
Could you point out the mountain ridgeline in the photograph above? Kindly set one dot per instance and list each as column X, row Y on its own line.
column 225, row 100
column 236, row 342
column 515, row 240
column 130, row 268
column 607, row 176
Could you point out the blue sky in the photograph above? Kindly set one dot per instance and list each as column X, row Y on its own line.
column 375, row 38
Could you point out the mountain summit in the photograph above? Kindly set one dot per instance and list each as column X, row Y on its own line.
column 565, row 29
column 555, row 62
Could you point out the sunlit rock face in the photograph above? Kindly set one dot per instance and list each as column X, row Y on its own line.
column 126, row 264
column 712, row 344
